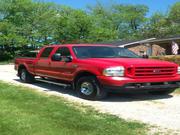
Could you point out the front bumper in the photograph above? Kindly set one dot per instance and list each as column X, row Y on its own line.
column 124, row 84
column 142, row 87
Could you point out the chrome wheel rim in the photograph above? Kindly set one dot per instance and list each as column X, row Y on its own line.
column 23, row 75
column 86, row 88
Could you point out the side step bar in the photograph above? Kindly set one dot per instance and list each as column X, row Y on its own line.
column 55, row 83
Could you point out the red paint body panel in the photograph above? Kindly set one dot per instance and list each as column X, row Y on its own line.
column 137, row 70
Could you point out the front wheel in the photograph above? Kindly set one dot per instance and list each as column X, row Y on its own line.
column 25, row 76
column 162, row 92
column 89, row 88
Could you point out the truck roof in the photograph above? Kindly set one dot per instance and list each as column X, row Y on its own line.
column 55, row 45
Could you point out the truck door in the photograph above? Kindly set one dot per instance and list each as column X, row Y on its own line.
column 61, row 69
column 43, row 63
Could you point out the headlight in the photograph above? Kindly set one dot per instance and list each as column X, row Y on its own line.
column 114, row 71
column 178, row 70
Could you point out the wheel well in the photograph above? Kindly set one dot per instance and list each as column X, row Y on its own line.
column 20, row 68
column 81, row 74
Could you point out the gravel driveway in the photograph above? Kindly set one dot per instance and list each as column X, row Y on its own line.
column 162, row 111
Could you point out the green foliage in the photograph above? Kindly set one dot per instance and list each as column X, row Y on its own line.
column 174, row 18
column 160, row 26
column 5, row 56
column 103, row 28
column 178, row 91
column 24, row 112
column 174, row 13
column 131, row 17
column 71, row 25
column 35, row 23
column 157, row 26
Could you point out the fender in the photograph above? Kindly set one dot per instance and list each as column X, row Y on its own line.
column 93, row 71
column 29, row 65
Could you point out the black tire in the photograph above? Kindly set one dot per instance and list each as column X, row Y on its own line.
column 162, row 92
column 25, row 76
column 95, row 92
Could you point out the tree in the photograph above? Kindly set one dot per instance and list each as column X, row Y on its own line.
column 72, row 26
column 174, row 19
column 32, row 21
column 174, row 14
column 102, row 23
column 163, row 25
column 157, row 26
column 129, row 20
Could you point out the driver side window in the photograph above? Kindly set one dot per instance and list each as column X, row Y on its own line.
column 64, row 51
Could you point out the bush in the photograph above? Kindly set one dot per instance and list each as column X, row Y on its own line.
column 5, row 56
column 171, row 58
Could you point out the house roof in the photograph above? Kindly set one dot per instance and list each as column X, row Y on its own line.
column 146, row 41
column 165, row 40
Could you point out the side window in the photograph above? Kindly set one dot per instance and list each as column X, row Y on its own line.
column 46, row 52
column 64, row 51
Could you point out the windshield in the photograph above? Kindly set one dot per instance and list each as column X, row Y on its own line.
column 103, row 52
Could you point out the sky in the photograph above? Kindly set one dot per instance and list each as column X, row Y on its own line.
column 154, row 5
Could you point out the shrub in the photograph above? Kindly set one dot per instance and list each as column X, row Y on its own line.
column 4, row 56
column 171, row 58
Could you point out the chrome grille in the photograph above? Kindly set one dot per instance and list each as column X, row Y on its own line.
column 154, row 71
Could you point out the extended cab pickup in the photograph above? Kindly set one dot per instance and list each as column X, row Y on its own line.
column 95, row 70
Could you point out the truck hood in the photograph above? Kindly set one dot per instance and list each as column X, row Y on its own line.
column 127, row 62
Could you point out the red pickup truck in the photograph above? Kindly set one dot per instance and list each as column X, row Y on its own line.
column 95, row 70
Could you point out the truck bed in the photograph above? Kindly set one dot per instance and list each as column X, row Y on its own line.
column 26, row 61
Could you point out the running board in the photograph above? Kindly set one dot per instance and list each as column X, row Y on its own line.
column 52, row 82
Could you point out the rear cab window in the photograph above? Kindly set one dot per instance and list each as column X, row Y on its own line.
column 46, row 52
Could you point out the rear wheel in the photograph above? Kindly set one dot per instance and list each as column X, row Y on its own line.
column 162, row 92
column 25, row 76
column 89, row 88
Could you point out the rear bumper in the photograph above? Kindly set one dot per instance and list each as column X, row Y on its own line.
column 124, row 84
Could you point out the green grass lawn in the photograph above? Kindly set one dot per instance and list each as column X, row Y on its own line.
column 178, row 91
column 26, row 112
column 6, row 62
